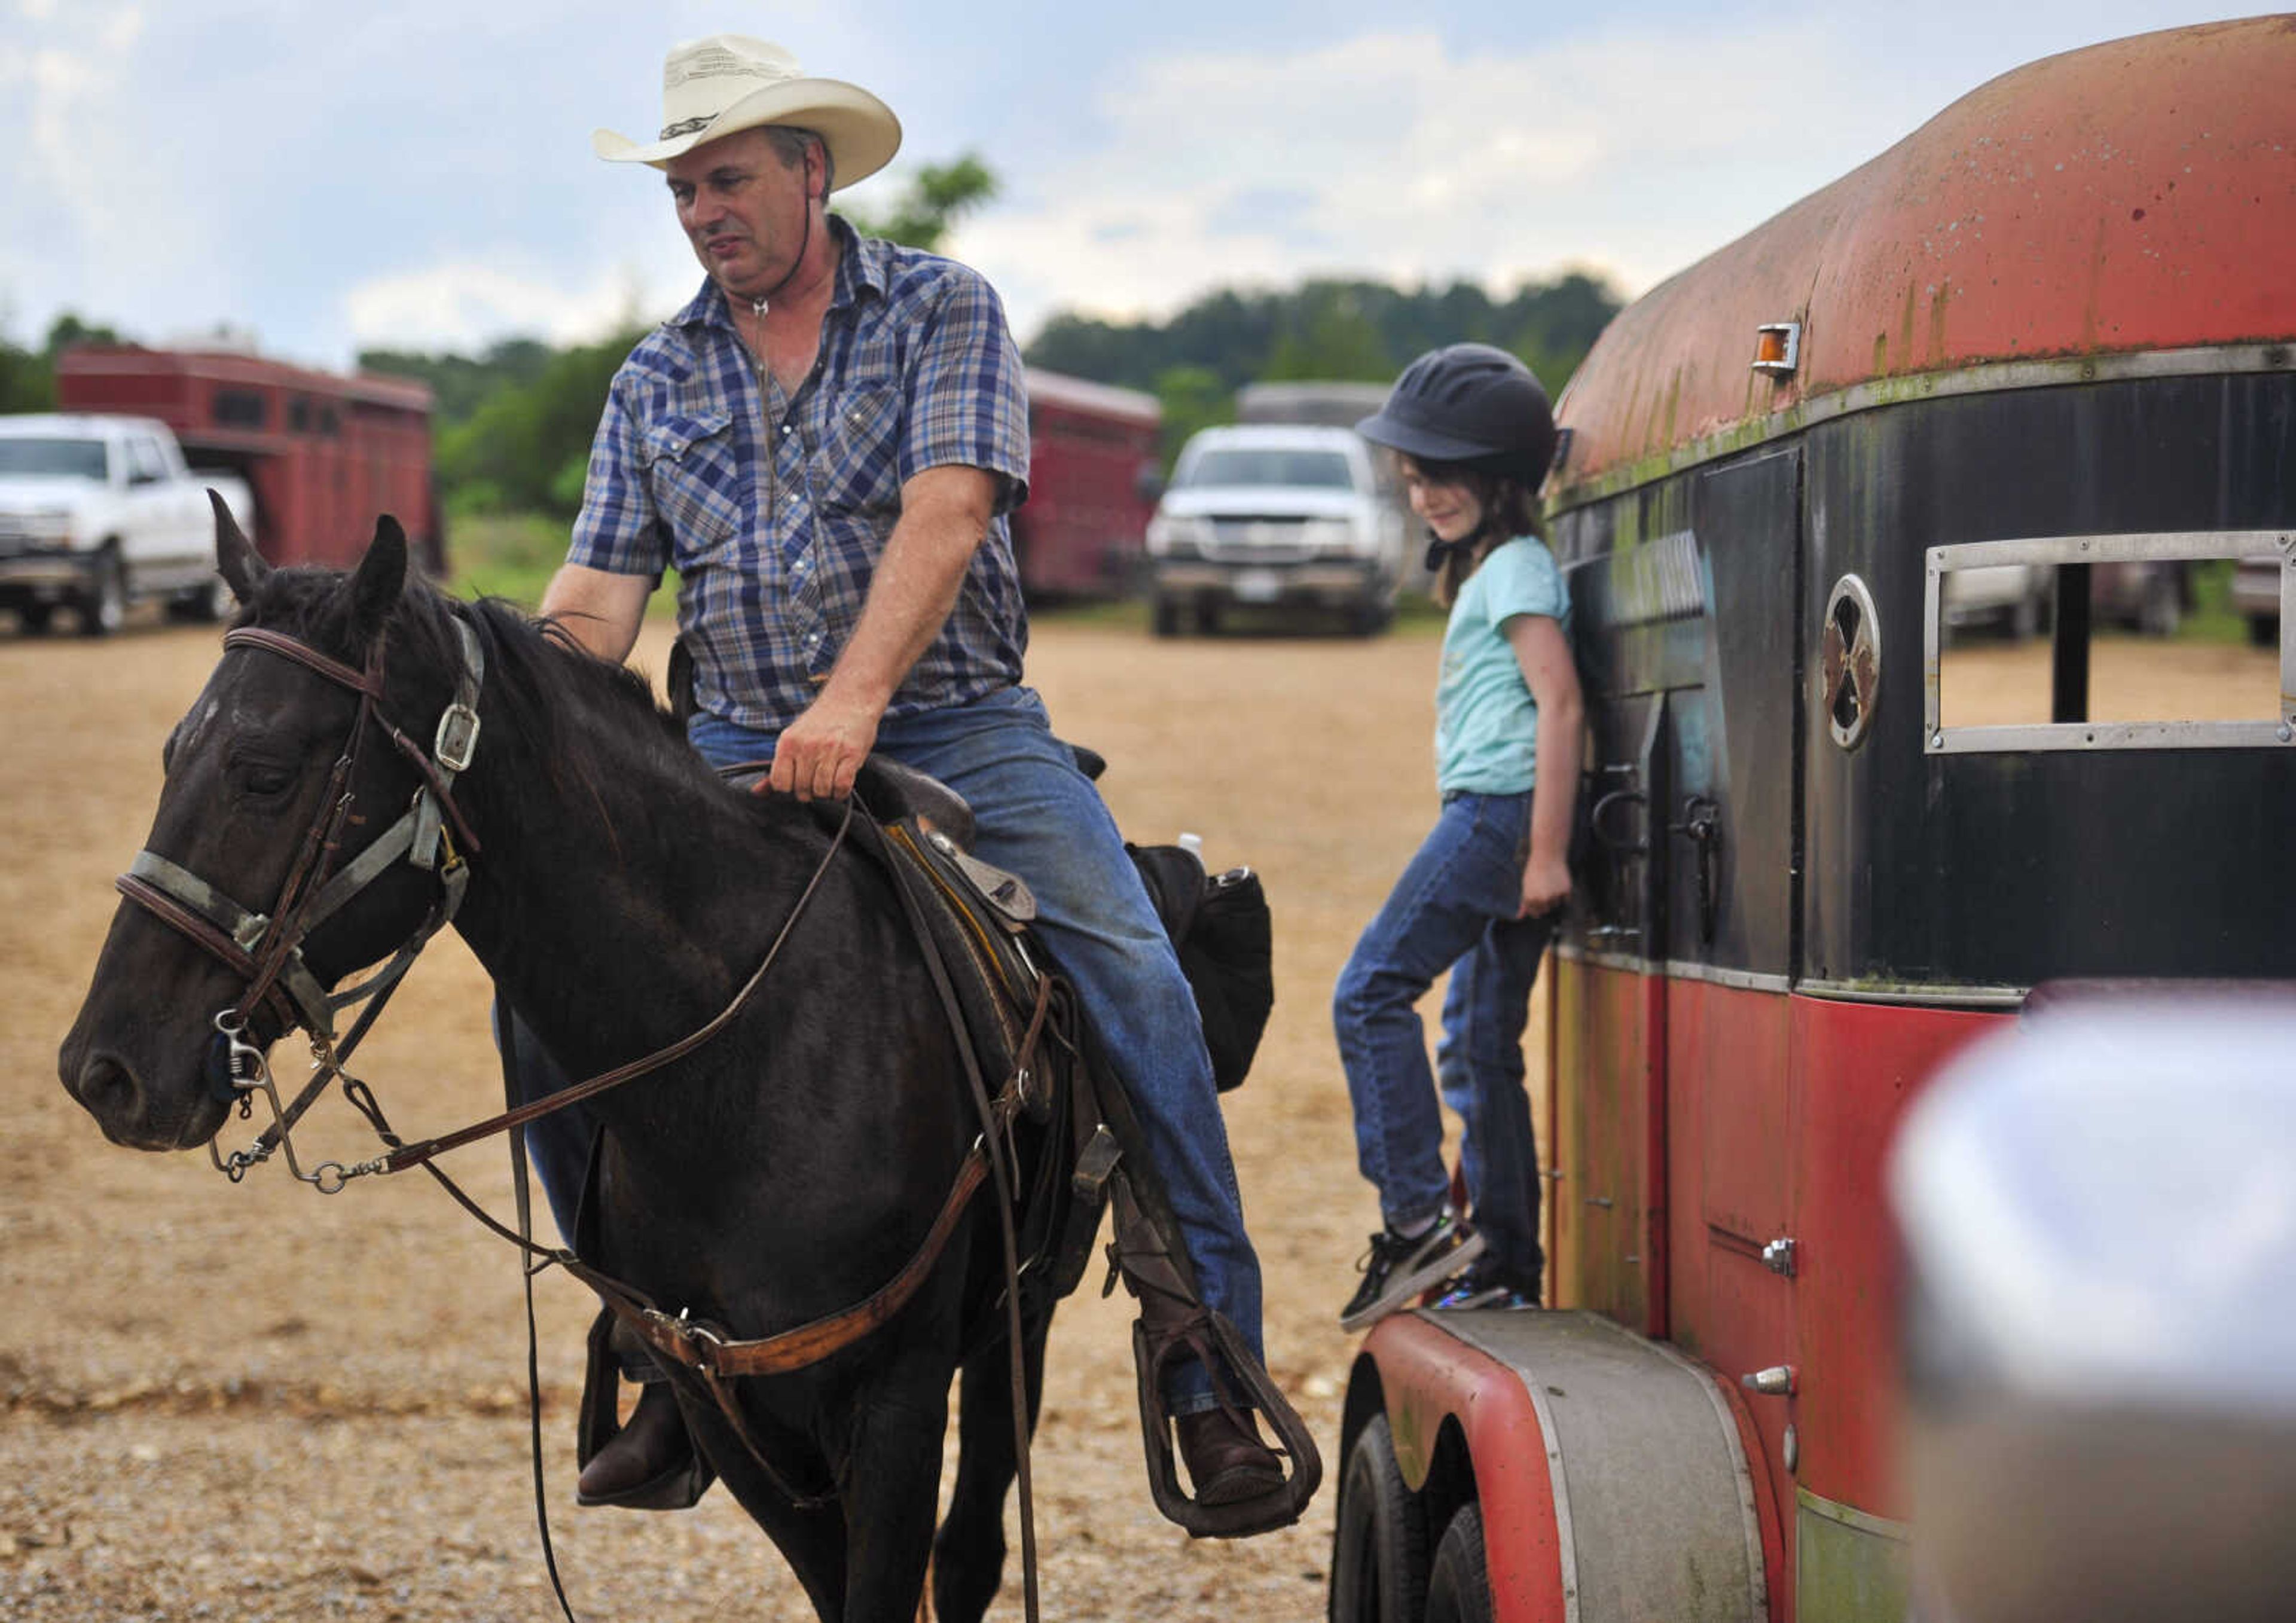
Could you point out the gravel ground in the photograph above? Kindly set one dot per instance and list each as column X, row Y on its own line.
column 262, row 1403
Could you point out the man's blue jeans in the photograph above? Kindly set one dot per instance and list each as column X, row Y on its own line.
column 1040, row 817
column 1454, row 908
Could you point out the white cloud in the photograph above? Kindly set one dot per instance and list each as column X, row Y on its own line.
column 1392, row 156
column 466, row 304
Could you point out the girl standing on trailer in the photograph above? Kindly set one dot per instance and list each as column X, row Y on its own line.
column 1481, row 895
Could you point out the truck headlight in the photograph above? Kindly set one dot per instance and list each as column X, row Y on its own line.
column 1178, row 537
column 1329, row 536
column 46, row 523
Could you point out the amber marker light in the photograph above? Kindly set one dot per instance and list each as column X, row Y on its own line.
column 1777, row 348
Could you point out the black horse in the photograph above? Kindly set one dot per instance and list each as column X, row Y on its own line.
column 783, row 1171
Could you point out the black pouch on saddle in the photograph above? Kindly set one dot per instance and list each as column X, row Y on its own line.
column 1219, row 926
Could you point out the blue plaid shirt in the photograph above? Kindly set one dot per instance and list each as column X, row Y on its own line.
column 774, row 510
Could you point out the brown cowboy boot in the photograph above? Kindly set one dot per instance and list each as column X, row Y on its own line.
column 1225, row 1459
column 649, row 1464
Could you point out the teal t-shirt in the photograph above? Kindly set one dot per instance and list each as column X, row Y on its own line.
column 1486, row 724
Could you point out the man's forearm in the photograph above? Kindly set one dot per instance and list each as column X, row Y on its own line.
column 601, row 611
column 911, row 590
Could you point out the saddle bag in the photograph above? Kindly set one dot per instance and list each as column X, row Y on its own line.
column 1219, row 926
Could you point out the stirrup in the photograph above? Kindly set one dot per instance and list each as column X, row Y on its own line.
column 599, row 1423
column 1214, row 1341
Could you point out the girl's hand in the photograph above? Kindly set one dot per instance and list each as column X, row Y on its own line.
column 1545, row 885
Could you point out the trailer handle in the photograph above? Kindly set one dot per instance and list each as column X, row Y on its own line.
column 1616, row 842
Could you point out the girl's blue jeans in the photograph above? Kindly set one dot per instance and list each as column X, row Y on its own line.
column 1453, row 909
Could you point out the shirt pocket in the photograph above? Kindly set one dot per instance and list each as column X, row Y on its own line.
column 694, row 475
column 858, row 468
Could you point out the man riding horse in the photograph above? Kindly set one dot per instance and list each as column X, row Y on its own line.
column 825, row 444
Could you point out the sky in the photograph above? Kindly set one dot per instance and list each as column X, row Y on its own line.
column 320, row 179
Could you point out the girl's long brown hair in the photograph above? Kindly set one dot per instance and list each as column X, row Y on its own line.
column 1509, row 510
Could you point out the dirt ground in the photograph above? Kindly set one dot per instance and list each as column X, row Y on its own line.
column 258, row 1403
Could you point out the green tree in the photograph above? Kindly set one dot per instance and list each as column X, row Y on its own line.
column 460, row 383
column 27, row 377
column 26, row 381
column 525, row 446
column 1333, row 329
column 1192, row 397
column 937, row 196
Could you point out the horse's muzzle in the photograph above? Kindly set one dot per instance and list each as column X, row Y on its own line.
column 110, row 1090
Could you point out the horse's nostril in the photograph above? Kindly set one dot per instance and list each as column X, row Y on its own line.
column 107, row 1088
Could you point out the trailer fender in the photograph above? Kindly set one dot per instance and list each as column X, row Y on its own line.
column 1611, row 1477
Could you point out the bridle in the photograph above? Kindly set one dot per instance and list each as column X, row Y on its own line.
column 267, row 949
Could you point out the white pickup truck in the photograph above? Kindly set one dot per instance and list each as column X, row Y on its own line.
column 1270, row 513
column 100, row 511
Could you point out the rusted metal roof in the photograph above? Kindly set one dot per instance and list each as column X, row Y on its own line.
column 2138, row 196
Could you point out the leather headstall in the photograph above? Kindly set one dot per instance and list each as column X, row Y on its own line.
column 265, row 948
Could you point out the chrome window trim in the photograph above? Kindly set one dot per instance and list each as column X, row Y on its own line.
column 2159, row 547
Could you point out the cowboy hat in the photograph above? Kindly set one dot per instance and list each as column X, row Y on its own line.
column 728, row 82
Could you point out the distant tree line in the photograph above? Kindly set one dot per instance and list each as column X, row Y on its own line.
column 27, row 377
column 1344, row 331
column 513, row 423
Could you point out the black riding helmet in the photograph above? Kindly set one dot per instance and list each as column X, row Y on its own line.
column 1471, row 404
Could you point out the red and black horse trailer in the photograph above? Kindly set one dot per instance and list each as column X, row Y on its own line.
column 2053, row 331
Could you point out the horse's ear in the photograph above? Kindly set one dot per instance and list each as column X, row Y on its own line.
column 382, row 574
column 242, row 567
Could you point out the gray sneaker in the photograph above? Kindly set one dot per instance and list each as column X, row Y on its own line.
column 1397, row 1268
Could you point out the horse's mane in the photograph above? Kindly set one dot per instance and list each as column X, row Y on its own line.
column 556, row 693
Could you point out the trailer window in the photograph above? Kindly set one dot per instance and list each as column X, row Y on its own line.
column 240, row 408
column 2093, row 679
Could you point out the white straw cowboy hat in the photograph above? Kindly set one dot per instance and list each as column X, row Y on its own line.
column 711, row 87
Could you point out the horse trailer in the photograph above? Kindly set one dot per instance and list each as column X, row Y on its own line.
column 2052, row 329
column 323, row 453
column 1081, row 533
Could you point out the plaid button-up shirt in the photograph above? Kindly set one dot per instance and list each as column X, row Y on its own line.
column 774, row 509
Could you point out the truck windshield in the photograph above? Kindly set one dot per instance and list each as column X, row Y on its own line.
column 1269, row 465
column 67, row 458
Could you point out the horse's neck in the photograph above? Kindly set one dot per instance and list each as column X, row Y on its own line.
column 617, row 906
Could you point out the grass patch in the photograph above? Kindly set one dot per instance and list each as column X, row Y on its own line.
column 514, row 555
column 508, row 555
column 2212, row 618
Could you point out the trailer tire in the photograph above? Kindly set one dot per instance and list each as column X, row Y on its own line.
column 1459, row 1589
column 35, row 617
column 1378, row 1546
column 1164, row 616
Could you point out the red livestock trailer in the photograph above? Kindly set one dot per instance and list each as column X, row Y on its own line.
column 1083, row 531
column 323, row 454
column 2052, row 330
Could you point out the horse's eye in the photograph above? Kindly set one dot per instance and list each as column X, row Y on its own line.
column 267, row 780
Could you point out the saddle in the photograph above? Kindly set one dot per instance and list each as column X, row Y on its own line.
column 1037, row 1055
